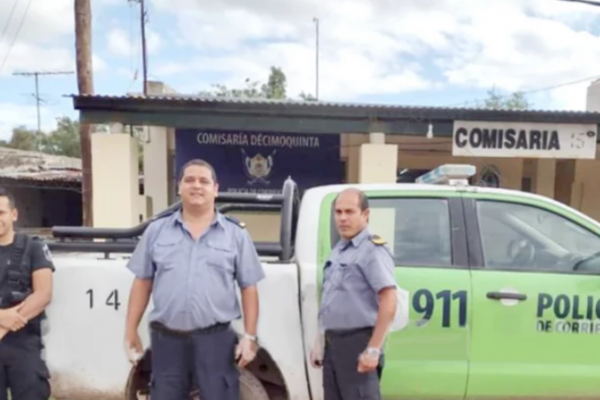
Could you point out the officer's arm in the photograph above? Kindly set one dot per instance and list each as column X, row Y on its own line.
column 142, row 266
column 249, row 272
column 379, row 271
column 41, row 280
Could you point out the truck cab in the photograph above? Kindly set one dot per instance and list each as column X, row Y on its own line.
column 504, row 296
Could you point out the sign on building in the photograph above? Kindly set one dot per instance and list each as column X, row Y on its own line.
column 259, row 162
column 524, row 140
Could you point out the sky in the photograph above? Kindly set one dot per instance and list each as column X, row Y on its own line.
column 406, row 52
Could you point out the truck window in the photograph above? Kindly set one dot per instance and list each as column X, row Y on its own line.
column 528, row 238
column 417, row 229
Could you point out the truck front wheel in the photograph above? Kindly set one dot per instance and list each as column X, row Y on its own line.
column 250, row 388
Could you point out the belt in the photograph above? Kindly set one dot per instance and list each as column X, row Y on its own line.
column 159, row 327
column 330, row 333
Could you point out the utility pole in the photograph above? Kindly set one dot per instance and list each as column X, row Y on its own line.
column 316, row 21
column 143, row 21
column 38, row 100
column 85, row 83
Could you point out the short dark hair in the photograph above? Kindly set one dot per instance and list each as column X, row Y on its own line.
column 363, row 200
column 198, row 163
column 6, row 193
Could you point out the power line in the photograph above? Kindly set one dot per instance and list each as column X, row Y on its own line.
column 542, row 89
column 38, row 100
column 143, row 22
column 316, row 21
column 588, row 2
column 12, row 11
column 16, row 35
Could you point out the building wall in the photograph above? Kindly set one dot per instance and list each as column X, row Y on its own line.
column 45, row 208
column 573, row 182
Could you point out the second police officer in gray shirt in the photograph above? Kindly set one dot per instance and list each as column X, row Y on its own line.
column 357, row 306
column 189, row 262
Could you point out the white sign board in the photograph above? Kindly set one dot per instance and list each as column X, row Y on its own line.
column 524, row 140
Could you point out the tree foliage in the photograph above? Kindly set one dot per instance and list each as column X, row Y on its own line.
column 498, row 101
column 63, row 140
column 274, row 88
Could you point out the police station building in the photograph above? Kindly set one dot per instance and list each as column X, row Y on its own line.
column 256, row 144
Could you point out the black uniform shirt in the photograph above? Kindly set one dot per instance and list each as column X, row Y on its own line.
column 39, row 256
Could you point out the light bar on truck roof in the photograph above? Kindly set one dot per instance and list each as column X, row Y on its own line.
column 451, row 174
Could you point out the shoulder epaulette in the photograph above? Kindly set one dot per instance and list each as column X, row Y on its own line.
column 377, row 240
column 235, row 221
column 164, row 214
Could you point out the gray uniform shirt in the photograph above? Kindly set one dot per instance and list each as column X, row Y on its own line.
column 354, row 274
column 194, row 280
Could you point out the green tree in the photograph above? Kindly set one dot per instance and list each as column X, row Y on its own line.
column 274, row 88
column 498, row 101
column 25, row 139
column 307, row 97
column 64, row 140
column 251, row 91
column 276, row 85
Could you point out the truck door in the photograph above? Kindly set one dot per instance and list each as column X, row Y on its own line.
column 425, row 230
column 536, row 299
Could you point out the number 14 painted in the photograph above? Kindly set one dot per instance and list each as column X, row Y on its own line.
column 112, row 300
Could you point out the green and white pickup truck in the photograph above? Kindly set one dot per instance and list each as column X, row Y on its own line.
column 504, row 291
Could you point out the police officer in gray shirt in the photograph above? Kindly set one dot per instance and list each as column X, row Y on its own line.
column 357, row 307
column 190, row 261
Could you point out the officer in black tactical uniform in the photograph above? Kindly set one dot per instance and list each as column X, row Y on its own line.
column 25, row 291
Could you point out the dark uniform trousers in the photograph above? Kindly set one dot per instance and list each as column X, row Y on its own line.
column 203, row 359
column 22, row 369
column 341, row 379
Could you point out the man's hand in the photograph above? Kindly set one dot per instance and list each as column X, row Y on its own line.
column 245, row 351
column 316, row 354
column 133, row 347
column 367, row 363
column 11, row 320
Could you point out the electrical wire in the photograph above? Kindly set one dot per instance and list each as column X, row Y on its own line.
column 16, row 35
column 12, row 11
column 588, row 2
column 542, row 89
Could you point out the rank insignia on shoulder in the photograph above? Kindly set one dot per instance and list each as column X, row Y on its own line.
column 235, row 221
column 377, row 240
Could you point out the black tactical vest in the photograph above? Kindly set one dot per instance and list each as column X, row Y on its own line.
column 18, row 285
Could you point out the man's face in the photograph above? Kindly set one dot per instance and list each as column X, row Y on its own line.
column 197, row 187
column 8, row 216
column 349, row 219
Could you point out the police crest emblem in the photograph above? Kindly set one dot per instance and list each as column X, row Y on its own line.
column 259, row 167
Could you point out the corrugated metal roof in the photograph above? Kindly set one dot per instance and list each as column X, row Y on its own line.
column 41, row 176
column 20, row 165
column 193, row 99
column 21, row 158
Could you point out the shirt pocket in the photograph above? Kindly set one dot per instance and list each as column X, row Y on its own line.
column 351, row 277
column 334, row 275
column 220, row 257
column 166, row 252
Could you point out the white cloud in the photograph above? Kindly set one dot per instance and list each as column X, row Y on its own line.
column 124, row 44
column 98, row 64
column 43, row 21
column 12, row 115
column 26, row 57
column 385, row 47
column 34, row 44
